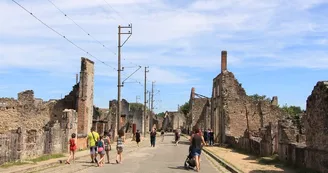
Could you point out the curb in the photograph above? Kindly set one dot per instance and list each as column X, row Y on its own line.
column 226, row 165
column 51, row 164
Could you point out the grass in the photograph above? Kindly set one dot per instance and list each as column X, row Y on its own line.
column 10, row 164
column 47, row 157
column 272, row 160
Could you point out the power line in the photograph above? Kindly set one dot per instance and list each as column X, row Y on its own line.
column 113, row 9
column 103, row 45
column 62, row 35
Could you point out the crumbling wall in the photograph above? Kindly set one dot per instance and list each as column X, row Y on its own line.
column 316, row 118
column 85, row 100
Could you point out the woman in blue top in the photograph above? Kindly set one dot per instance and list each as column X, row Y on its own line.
column 101, row 151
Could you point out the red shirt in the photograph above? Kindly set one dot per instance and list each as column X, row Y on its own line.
column 72, row 145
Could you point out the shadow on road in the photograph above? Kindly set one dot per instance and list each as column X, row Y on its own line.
column 178, row 167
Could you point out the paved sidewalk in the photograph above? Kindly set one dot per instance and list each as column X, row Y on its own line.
column 56, row 162
column 245, row 163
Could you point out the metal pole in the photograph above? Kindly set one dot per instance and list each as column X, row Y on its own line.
column 149, row 106
column 145, row 105
column 152, row 105
column 118, row 114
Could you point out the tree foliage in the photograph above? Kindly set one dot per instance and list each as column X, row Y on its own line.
column 258, row 98
column 185, row 108
column 162, row 114
column 293, row 111
column 136, row 106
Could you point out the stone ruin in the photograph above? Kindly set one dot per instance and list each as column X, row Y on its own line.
column 174, row 120
column 308, row 147
column 262, row 128
column 127, row 119
column 32, row 127
column 199, row 111
column 235, row 115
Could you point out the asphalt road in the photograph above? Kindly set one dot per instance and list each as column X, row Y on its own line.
column 164, row 158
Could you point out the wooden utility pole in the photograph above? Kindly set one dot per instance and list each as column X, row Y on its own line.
column 119, row 69
column 145, row 105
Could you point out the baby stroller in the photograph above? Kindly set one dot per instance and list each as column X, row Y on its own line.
column 190, row 162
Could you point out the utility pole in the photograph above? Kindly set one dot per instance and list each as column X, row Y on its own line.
column 145, row 106
column 149, row 106
column 119, row 69
column 152, row 105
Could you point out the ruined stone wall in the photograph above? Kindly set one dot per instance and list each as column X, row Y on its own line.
column 233, row 112
column 85, row 101
column 292, row 148
column 198, row 111
column 137, row 119
column 316, row 117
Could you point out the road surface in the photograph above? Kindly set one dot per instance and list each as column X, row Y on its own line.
column 166, row 157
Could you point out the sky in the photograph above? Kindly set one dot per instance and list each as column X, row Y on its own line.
column 275, row 48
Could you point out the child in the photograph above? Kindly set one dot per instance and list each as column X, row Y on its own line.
column 107, row 145
column 119, row 146
column 101, row 151
column 72, row 148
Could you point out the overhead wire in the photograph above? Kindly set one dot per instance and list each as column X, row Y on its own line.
column 63, row 36
column 102, row 44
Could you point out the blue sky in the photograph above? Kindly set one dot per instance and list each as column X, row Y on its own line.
column 275, row 48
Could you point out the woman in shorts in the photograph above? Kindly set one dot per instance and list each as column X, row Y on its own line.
column 120, row 146
column 101, row 151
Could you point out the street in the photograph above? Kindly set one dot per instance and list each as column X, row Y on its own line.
column 164, row 158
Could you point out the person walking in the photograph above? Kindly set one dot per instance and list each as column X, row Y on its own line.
column 119, row 146
column 211, row 136
column 138, row 137
column 162, row 135
column 107, row 145
column 152, row 138
column 177, row 137
column 196, row 146
column 101, row 151
column 206, row 136
column 92, row 139
column 72, row 148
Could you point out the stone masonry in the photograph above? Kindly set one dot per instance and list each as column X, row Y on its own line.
column 85, row 101
column 199, row 110
column 233, row 111
column 35, row 127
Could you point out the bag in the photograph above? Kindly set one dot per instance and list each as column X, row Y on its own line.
column 100, row 149
column 96, row 142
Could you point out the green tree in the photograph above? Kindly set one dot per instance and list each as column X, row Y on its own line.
column 293, row 111
column 185, row 108
column 258, row 98
column 136, row 106
column 162, row 114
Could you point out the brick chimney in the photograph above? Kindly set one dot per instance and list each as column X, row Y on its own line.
column 223, row 61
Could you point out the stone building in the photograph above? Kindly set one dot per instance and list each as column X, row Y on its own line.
column 85, row 101
column 233, row 112
column 31, row 127
column 174, row 120
column 308, row 147
column 127, row 118
column 28, row 130
column 199, row 111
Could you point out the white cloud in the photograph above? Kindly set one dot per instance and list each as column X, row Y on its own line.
column 163, row 37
